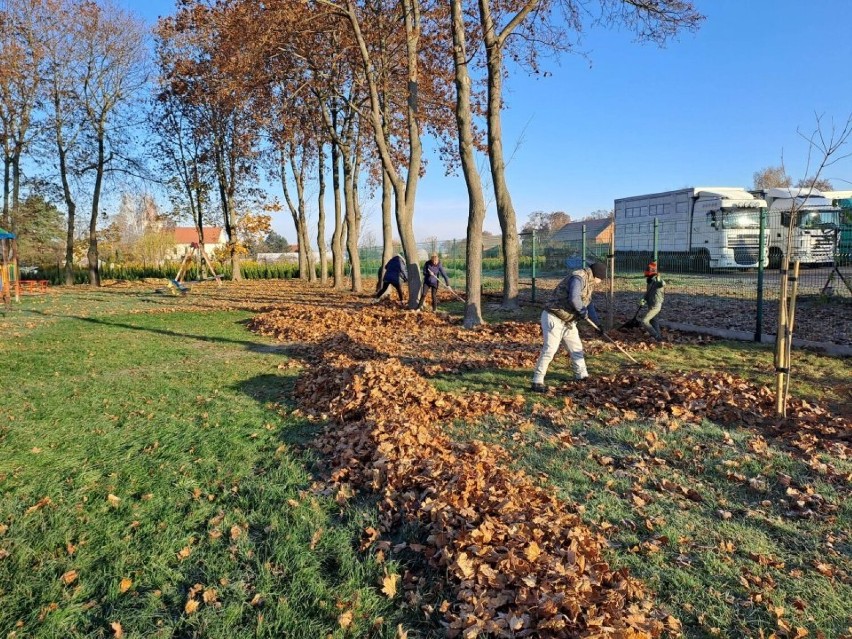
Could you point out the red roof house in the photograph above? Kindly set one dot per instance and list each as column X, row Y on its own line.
column 185, row 236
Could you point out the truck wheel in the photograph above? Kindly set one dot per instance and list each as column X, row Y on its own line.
column 775, row 256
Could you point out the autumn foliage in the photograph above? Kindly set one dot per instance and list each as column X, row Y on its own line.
column 518, row 560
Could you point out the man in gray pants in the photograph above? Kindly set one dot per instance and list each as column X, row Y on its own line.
column 570, row 302
column 653, row 298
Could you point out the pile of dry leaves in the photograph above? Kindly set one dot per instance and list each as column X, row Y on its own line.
column 518, row 560
column 720, row 397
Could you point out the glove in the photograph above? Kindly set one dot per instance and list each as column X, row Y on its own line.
column 600, row 331
column 584, row 313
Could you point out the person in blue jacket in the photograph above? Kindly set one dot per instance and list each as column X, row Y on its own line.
column 432, row 270
column 394, row 272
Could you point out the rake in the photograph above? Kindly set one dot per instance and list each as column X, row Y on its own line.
column 612, row 341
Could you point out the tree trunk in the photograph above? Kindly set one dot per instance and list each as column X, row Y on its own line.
column 336, row 238
column 352, row 224
column 323, row 253
column 404, row 190
column 301, row 231
column 16, row 211
column 94, row 268
column 476, row 199
column 387, row 221
column 503, row 201
column 231, row 231
column 305, row 241
column 7, row 163
column 72, row 210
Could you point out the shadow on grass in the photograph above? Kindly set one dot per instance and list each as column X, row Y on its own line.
column 255, row 347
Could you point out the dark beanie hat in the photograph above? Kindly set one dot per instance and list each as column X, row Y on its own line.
column 598, row 270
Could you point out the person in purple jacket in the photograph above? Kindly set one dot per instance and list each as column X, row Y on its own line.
column 432, row 270
column 394, row 272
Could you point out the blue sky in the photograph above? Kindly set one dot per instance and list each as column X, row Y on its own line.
column 710, row 108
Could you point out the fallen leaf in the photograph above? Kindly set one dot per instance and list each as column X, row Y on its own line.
column 125, row 585
column 117, row 629
column 69, row 577
column 191, row 606
column 345, row 619
column 389, row 585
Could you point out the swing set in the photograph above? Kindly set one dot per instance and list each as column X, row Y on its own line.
column 193, row 254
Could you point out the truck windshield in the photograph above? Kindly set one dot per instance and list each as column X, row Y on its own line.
column 816, row 219
column 741, row 219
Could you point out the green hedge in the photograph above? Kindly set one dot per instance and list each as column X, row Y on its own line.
column 250, row 270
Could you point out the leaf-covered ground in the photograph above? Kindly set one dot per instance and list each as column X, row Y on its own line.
column 444, row 500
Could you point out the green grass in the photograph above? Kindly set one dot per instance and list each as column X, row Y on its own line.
column 702, row 558
column 185, row 418
column 173, row 407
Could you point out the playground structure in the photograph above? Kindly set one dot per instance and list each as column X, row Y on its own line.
column 197, row 254
column 9, row 277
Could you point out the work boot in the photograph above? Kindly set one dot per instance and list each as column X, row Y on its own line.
column 535, row 387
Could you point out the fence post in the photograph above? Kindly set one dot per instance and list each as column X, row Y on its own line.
column 584, row 245
column 761, row 247
column 656, row 237
column 533, row 265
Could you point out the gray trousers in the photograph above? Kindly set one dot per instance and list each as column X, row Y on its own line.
column 557, row 332
column 650, row 321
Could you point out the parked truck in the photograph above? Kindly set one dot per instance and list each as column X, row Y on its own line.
column 714, row 227
column 843, row 200
column 814, row 229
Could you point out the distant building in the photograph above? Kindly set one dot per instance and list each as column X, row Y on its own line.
column 186, row 236
column 564, row 247
column 292, row 255
column 597, row 232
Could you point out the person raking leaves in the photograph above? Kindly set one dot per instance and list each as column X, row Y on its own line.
column 570, row 302
column 394, row 271
column 432, row 270
column 653, row 299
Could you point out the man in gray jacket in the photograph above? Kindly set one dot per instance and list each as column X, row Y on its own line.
column 570, row 302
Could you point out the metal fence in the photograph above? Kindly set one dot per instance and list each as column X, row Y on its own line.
column 740, row 300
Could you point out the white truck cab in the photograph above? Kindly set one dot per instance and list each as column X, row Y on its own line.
column 814, row 229
column 717, row 227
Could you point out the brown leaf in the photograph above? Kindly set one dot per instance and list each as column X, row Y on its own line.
column 125, row 585
column 191, row 606
column 117, row 629
column 345, row 619
column 389, row 585
column 69, row 577
column 532, row 551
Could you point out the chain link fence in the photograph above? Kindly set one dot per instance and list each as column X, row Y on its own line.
column 739, row 298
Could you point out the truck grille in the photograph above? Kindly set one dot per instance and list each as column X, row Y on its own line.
column 744, row 240
column 745, row 255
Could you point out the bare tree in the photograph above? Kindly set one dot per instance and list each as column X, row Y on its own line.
column 22, row 53
column 771, row 177
column 812, row 182
column 476, row 198
column 112, row 74
column 825, row 146
column 541, row 27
